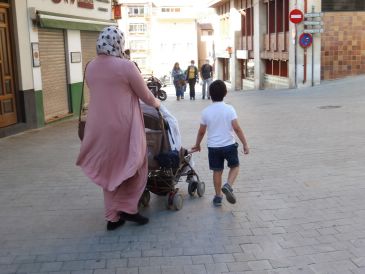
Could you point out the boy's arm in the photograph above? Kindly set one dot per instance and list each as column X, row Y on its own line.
column 239, row 132
column 199, row 138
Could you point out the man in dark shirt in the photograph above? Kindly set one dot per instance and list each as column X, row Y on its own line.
column 192, row 77
column 206, row 73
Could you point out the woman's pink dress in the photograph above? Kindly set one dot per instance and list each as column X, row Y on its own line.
column 113, row 151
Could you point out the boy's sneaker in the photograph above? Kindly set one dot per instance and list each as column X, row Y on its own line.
column 228, row 191
column 217, row 201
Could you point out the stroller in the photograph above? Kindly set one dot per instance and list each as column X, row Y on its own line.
column 166, row 167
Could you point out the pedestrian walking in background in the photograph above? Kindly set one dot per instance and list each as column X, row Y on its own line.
column 206, row 74
column 113, row 153
column 178, row 80
column 192, row 77
column 220, row 121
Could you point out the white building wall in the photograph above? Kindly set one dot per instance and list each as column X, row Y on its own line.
column 173, row 42
column 23, row 46
column 30, row 77
column 73, row 44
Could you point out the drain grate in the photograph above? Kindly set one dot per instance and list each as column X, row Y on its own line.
column 329, row 107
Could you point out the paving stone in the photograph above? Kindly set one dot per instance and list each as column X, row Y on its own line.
column 202, row 259
column 360, row 262
column 53, row 266
column 216, row 268
column 299, row 195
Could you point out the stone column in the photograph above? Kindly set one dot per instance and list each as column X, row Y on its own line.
column 258, row 42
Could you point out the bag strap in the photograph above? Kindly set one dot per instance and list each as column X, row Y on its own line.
column 82, row 93
column 164, row 135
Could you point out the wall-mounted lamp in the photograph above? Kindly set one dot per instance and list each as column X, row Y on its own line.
column 229, row 51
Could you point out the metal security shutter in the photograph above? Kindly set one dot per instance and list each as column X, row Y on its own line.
column 88, row 48
column 53, row 68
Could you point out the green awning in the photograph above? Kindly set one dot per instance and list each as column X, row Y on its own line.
column 61, row 21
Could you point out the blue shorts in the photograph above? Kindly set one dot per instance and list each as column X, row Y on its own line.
column 217, row 155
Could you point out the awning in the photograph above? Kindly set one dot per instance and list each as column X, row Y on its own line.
column 61, row 21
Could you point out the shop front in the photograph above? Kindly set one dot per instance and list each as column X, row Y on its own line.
column 41, row 67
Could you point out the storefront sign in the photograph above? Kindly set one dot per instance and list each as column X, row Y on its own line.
column 242, row 54
column 87, row 4
column 66, row 1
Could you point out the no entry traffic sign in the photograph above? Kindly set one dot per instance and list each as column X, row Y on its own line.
column 296, row 16
column 305, row 40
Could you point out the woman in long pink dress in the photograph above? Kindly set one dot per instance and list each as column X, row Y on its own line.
column 113, row 151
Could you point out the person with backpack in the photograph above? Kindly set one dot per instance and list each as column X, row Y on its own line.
column 206, row 73
column 192, row 77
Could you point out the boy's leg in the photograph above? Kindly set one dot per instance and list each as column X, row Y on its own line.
column 204, row 83
column 216, row 164
column 231, row 155
column 217, row 180
column 232, row 175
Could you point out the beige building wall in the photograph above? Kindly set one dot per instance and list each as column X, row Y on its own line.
column 343, row 45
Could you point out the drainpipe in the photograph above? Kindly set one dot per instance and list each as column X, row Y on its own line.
column 305, row 51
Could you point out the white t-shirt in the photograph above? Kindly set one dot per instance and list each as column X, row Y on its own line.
column 218, row 118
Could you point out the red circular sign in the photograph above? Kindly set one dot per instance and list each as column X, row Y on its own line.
column 296, row 16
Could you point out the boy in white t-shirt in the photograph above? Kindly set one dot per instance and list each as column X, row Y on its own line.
column 220, row 120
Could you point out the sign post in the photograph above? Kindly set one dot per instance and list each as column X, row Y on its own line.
column 296, row 16
column 313, row 20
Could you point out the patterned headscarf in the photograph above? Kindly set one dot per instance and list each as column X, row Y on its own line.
column 110, row 42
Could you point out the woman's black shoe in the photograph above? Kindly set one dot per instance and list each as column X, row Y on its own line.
column 114, row 225
column 137, row 218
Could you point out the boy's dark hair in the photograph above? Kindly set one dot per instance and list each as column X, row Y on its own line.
column 217, row 90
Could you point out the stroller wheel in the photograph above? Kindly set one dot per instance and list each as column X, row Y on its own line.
column 178, row 201
column 200, row 189
column 192, row 187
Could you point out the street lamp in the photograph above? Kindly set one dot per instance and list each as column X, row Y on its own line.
column 229, row 50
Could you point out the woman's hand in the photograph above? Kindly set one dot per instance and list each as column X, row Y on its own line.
column 157, row 103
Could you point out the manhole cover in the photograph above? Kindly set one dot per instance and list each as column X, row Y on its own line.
column 329, row 107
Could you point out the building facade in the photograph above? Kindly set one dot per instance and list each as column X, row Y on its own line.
column 258, row 46
column 343, row 39
column 159, row 35
column 45, row 47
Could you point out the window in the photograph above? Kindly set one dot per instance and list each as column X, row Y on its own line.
column 277, row 67
column 137, row 27
column 137, row 45
column 170, row 9
column 343, row 5
column 277, row 16
column 136, row 11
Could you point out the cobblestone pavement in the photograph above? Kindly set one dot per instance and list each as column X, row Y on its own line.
column 300, row 194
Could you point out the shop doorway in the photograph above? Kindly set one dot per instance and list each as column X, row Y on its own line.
column 8, row 115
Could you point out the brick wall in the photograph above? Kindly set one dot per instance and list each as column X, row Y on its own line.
column 343, row 45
